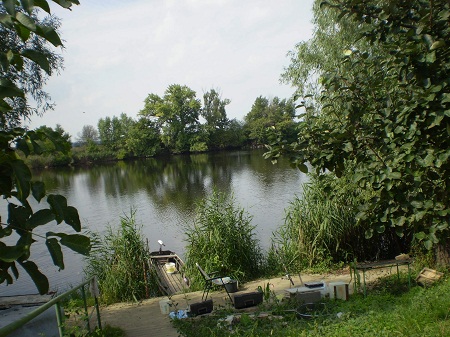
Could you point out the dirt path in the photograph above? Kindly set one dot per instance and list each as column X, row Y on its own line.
column 145, row 318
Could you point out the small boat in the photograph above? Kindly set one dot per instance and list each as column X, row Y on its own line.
column 168, row 268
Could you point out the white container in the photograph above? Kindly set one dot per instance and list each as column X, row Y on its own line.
column 170, row 267
column 339, row 290
column 164, row 306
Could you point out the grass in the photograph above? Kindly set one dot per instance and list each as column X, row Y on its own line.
column 388, row 310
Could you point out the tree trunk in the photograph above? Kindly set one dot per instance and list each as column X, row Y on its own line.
column 442, row 252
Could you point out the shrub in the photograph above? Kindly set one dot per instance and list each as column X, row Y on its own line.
column 321, row 229
column 222, row 239
column 119, row 259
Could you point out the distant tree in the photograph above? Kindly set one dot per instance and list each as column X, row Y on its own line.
column 213, row 110
column 143, row 138
column 114, row 131
column 215, row 115
column 265, row 113
column 88, row 134
column 234, row 135
column 176, row 114
column 57, row 136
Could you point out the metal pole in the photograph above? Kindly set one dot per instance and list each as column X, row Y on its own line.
column 83, row 294
column 409, row 276
column 98, row 313
column 59, row 319
column 364, row 278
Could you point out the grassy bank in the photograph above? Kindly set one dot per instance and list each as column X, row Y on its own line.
column 388, row 310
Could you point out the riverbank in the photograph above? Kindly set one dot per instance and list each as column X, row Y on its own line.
column 145, row 318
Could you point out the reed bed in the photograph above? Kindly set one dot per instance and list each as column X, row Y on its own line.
column 222, row 239
column 119, row 259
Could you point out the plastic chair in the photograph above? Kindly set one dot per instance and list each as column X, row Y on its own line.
column 211, row 280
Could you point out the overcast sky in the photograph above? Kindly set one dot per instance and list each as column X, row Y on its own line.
column 117, row 52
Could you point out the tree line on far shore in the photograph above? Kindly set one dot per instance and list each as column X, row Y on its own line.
column 177, row 122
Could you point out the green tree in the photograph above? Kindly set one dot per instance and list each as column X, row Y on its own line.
column 216, row 120
column 265, row 113
column 177, row 114
column 27, row 60
column 386, row 108
column 58, row 136
column 88, row 134
column 19, row 23
column 234, row 135
column 143, row 139
column 114, row 131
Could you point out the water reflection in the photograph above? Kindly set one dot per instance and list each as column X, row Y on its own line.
column 164, row 192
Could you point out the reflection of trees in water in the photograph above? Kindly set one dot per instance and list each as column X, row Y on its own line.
column 60, row 179
column 169, row 182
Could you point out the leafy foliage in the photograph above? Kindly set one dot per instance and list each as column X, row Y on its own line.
column 265, row 114
column 27, row 39
column 177, row 114
column 386, row 107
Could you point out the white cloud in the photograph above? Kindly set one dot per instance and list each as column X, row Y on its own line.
column 118, row 52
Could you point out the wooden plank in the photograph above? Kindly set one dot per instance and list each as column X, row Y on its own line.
column 33, row 299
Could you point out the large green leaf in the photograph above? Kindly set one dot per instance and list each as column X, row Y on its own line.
column 49, row 34
column 55, row 252
column 27, row 5
column 38, row 190
column 10, row 6
column 9, row 89
column 6, row 20
column 66, row 3
column 26, row 21
column 22, row 177
column 39, row 279
column 42, row 4
column 38, row 58
column 18, row 215
column 71, row 218
column 41, row 217
column 58, row 205
column 77, row 242
column 11, row 253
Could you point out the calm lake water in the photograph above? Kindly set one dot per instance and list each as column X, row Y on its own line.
column 163, row 192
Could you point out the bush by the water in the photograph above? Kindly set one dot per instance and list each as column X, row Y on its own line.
column 119, row 259
column 222, row 238
column 321, row 229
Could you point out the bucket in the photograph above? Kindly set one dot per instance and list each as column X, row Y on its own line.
column 164, row 306
column 170, row 267
column 231, row 286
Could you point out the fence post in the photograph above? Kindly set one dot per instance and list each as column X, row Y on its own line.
column 59, row 319
column 83, row 294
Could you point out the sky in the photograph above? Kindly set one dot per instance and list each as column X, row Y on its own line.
column 117, row 52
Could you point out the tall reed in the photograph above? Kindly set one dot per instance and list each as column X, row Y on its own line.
column 320, row 227
column 222, row 238
column 119, row 259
